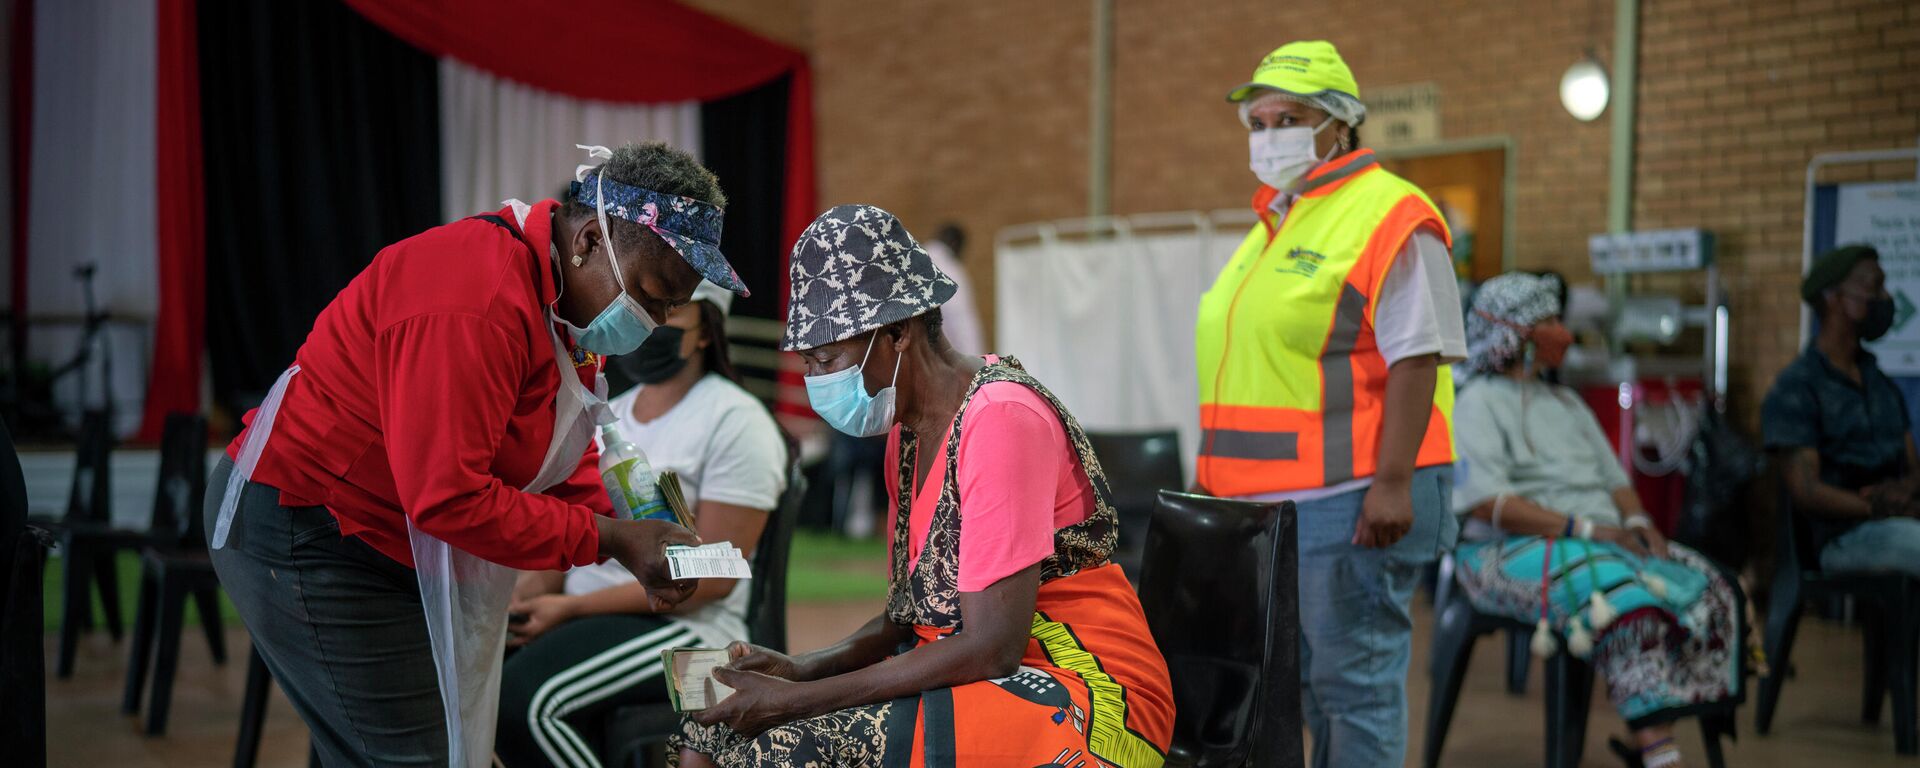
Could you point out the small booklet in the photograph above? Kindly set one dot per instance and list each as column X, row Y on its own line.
column 690, row 683
column 720, row 560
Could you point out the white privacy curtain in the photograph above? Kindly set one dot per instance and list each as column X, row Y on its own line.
column 91, row 190
column 501, row 139
column 1106, row 321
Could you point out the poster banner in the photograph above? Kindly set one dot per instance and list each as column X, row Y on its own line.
column 1887, row 217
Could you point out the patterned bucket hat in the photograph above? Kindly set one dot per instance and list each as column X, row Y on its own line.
column 856, row 269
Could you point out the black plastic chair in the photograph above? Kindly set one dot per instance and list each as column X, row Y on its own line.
column 1569, row 684
column 1220, row 589
column 1139, row 466
column 174, row 568
column 253, row 715
column 1886, row 600
column 89, row 542
column 630, row 731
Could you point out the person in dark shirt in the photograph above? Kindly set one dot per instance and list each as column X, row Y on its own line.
column 1842, row 425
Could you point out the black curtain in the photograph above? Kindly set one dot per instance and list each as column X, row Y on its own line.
column 743, row 140
column 322, row 145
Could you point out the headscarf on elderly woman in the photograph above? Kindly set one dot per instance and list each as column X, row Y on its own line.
column 1504, row 311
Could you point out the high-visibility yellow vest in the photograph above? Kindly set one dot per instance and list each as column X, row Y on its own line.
column 1292, row 386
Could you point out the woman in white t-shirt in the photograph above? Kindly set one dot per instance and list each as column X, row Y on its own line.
column 589, row 642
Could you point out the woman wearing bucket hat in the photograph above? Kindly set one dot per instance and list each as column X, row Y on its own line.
column 433, row 435
column 1321, row 350
column 1000, row 517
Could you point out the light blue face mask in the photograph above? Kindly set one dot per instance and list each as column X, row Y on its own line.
column 841, row 399
column 624, row 325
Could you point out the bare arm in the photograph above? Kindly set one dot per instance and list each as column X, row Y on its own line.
column 1520, row 515
column 532, row 584
column 999, row 620
column 1386, row 512
column 1403, row 424
column 1810, row 494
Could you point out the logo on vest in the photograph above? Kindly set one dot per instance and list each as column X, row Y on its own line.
column 1302, row 262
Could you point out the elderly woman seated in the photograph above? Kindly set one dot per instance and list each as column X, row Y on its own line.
column 1558, row 537
column 1000, row 523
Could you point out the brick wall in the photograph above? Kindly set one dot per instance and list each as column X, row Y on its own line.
column 1736, row 98
column 978, row 111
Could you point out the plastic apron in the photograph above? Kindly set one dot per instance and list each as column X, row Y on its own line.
column 464, row 597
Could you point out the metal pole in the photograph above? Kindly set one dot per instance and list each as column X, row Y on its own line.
column 1626, row 57
column 1100, row 131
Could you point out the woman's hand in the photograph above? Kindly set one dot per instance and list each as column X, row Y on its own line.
column 1623, row 538
column 543, row 612
column 1650, row 536
column 758, row 702
column 1386, row 514
column 641, row 546
column 748, row 657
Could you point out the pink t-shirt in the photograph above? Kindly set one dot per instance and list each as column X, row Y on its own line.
column 1019, row 482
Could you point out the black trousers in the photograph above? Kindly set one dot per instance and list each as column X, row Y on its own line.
column 340, row 627
column 556, row 690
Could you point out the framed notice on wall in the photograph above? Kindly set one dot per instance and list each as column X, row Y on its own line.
column 1402, row 116
column 1886, row 215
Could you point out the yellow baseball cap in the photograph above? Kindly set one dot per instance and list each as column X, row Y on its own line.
column 1303, row 68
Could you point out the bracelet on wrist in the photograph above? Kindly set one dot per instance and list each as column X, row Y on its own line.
column 1639, row 520
column 1584, row 529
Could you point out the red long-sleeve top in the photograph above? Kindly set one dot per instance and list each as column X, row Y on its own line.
column 426, row 392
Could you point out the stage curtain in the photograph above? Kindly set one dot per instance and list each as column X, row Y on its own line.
column 322, row 146
column 180, row 324
column 502, row 139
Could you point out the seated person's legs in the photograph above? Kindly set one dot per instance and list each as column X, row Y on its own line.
column 555, row 690
column 1892, row 544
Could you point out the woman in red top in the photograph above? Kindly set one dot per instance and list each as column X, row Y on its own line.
column 436, row 417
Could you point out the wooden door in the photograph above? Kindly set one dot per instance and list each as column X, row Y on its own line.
column 1470, row 189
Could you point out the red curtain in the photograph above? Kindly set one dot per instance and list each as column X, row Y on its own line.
column 179, row 331
column 636, row 51
column 624, row 50
column 20, row 128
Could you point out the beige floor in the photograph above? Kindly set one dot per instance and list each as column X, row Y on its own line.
column 1817, row 723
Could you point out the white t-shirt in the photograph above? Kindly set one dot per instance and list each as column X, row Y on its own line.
column 959, row 317
column 725, row 448
column 1417, row 313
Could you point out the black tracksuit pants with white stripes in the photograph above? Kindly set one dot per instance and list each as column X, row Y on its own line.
column 556, row 691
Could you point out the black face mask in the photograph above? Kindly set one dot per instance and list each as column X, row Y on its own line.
column 1879, row 318
column 658, row 358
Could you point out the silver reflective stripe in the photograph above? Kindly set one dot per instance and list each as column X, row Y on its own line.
column 1336, row 385
column 1339, row 173
column 1242, row 444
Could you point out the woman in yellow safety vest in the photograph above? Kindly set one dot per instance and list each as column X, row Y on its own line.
column 1322, row 350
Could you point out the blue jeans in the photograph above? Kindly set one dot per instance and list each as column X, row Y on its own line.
column 1892, row 544
column 1356, row 634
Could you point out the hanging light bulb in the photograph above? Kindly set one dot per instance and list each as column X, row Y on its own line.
column 1584, row 88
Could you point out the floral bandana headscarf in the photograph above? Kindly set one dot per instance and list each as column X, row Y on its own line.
column 1503, row 309
column 691, row 226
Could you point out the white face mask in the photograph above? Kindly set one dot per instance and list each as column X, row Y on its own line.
column 1280, row 156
